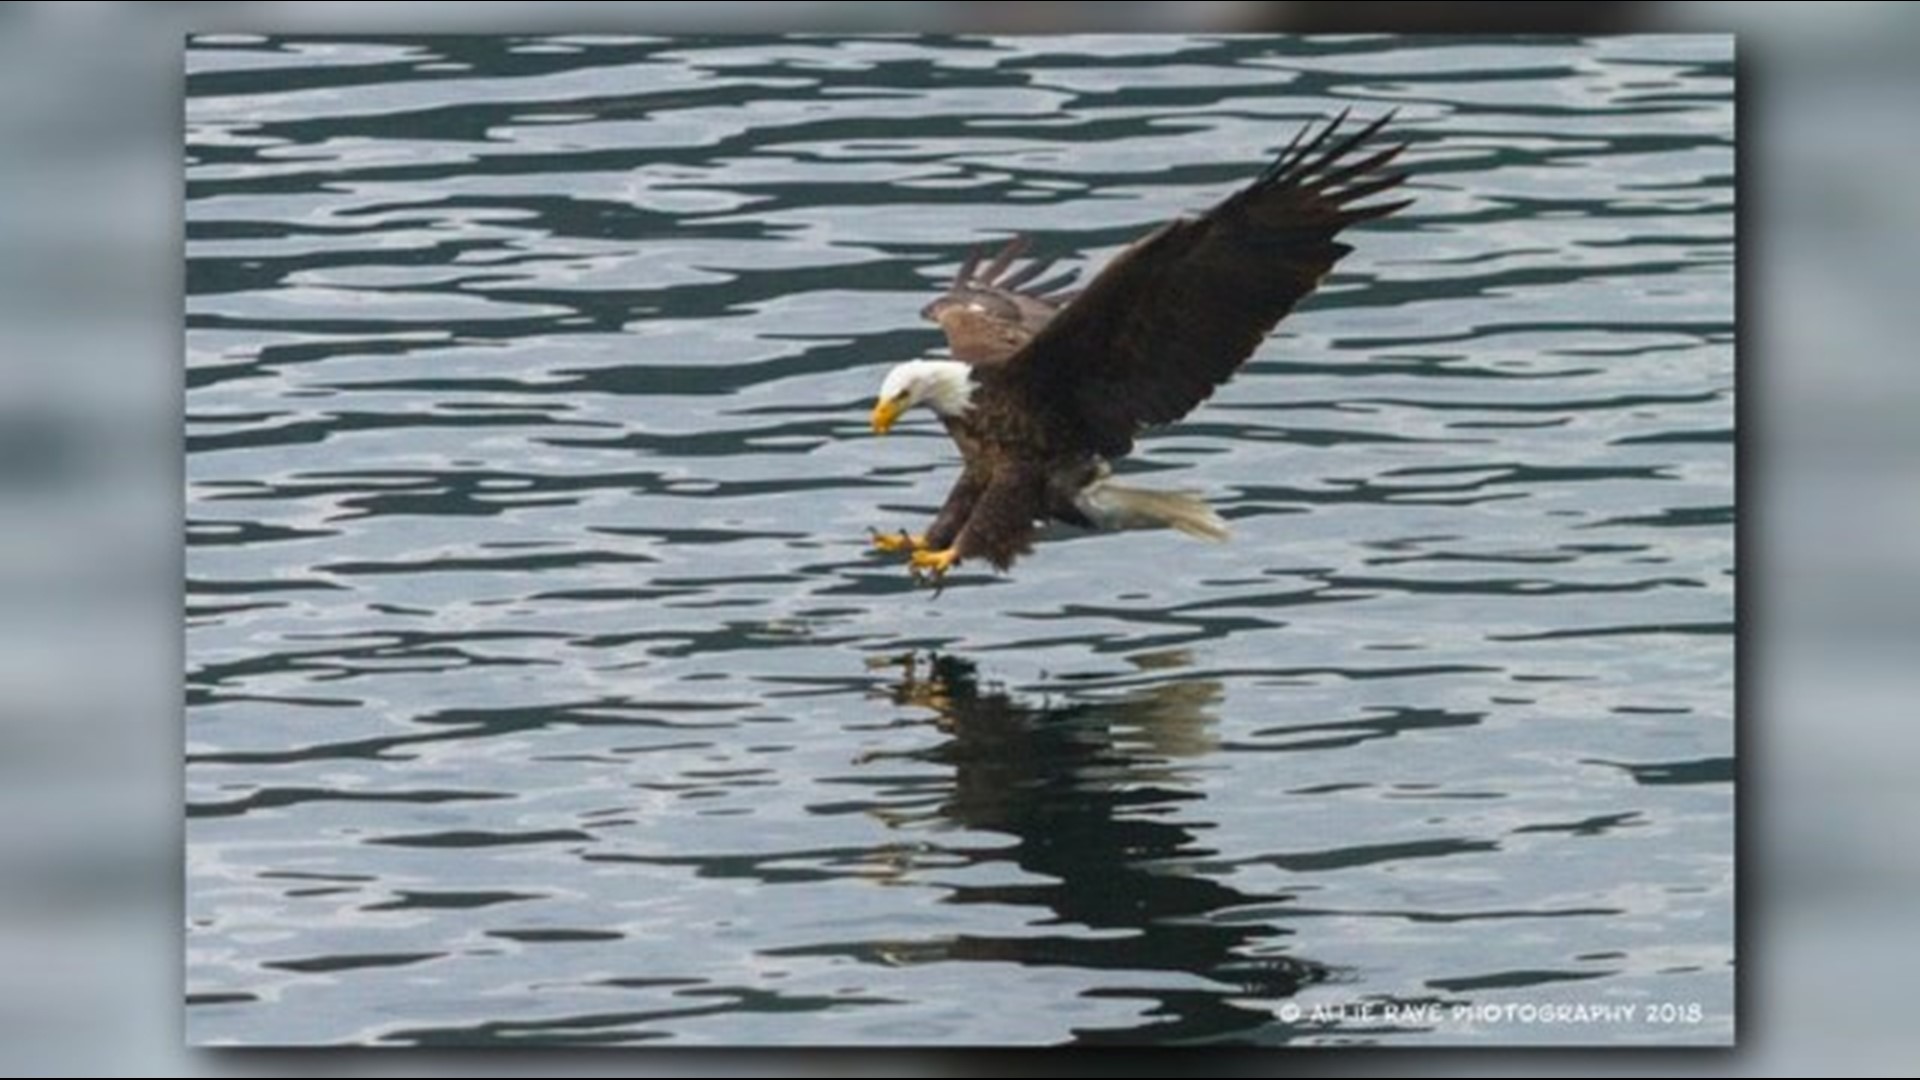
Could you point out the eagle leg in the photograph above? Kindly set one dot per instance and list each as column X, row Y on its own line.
column 894, row 543
column 932, row 566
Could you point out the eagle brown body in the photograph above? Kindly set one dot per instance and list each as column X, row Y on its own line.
column 1048, row 386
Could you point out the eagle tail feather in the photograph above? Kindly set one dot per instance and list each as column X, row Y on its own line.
column 1114, row 506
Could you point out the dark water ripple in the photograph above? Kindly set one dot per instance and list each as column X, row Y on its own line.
column 539, row 689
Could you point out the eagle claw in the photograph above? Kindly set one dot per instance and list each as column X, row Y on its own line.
column 894, row 543
column 932, row 566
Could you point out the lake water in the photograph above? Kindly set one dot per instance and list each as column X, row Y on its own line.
column 540, row 688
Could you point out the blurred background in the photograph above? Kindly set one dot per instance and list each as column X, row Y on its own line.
column 90, row 497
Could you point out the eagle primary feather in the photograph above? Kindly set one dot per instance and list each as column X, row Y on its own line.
column 988, row 314
column 1052, row 385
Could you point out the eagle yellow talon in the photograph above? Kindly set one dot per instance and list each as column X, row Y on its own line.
column 894, row 543
column 932, row 564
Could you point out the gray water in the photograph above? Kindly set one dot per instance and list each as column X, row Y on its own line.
column 540, row 688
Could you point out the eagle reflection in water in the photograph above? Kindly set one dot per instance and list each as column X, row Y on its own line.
column 1097, row 798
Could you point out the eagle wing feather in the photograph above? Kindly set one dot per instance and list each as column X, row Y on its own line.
column 989, row 313
column 1177, row 313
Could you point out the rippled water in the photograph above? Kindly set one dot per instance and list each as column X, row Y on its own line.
column 540, row 689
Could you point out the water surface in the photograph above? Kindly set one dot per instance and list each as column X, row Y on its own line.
column 540, row 689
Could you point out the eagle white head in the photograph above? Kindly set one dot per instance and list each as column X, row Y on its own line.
column 946, row 386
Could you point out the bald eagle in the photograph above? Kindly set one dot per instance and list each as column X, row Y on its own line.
column 1046, row 387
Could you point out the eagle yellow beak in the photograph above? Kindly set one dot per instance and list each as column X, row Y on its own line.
column 886, row 411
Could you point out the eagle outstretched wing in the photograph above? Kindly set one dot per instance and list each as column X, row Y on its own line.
column 991, row 311
column 1175, row 315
